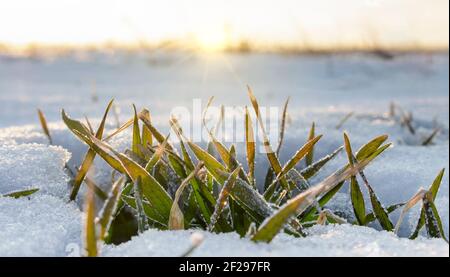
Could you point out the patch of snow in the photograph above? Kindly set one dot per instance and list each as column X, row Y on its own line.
column 331, row 240
column 31, row 165
column 41, row 225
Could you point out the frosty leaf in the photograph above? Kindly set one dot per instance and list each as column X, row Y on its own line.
column 271, row 155
column 370, row 217
column 110, row 207
column 434, row 189
column 99, row 147
column 151, row 189
column 176, row 219
column 273, row 224
column 223, row 197
column 314, row 168
column 433, row 221
column 214, row 167
column 141, row 218
column 89, row 157
column 380, row 213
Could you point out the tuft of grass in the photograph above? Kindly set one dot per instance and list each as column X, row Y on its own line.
column 167, row 188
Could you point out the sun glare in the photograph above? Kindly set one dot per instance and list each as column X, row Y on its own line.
column 211, row 42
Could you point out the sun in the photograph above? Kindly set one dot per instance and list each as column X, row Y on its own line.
column 212, row 41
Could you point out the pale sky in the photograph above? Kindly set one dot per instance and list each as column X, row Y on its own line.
column 319, row 22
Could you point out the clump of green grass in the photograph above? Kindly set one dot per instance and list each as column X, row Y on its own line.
column 209, row 189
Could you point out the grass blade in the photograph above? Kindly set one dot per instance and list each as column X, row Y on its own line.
column 343, row 120
column 271, row 155
column 223, row 198
column 310, row 155
column 88, row 158
column 250, row 146
column 356, row 196
column 176, row 219
column 358, row 203
column 433, row 221
column 110, row 208
column 313, row 169
column 434, row 189
column 147, row 138
column 299, row 155
column 141, row 217
column 90, row 239
column 283, row 125
column 21, row 193
column 136, row 141
column 44, row 126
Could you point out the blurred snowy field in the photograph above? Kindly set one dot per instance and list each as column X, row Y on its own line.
column 322, row 88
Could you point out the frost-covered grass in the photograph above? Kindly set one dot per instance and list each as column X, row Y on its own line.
column 406, row 167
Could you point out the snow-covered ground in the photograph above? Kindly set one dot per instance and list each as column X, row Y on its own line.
column 322, row 89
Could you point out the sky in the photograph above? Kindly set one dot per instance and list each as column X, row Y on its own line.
column 213, row 23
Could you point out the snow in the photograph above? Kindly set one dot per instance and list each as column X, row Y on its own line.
column 40, row 226
column 323, row 89
column 331, row 240
column 31, row 165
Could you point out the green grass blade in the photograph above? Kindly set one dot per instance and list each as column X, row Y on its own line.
column 434, row 189
column 308, row 214
column 22, row 193
column 136, row 141
column 299, row 155
column 313, row 169
column 176, row 219
column 110, row 207
column 151, row 189
column 380, row 213
column 141, row 217
column 90, row 239
column 213, row 166
column 271, row 155
column 370, row 147
column 101, row 148
column 310, row 155
column 357, row 198
column 156, row 134
column 223, row 198
column 147, row 138
column 283, row 126
column 250, row 145
column 272, row 225
column 89, row 157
